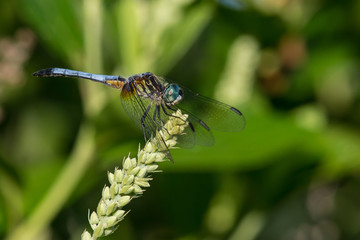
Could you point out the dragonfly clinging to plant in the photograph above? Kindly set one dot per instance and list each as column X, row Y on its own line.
column 150, row 100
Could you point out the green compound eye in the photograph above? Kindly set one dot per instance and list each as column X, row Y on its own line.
column 173, row 94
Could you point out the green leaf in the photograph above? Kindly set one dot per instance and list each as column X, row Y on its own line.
column 59, row 25
column 177, row 40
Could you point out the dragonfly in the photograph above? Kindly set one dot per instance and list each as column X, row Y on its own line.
column 150, row 100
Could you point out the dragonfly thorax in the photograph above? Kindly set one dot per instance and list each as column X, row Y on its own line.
column 147, row 85
column 172, row 94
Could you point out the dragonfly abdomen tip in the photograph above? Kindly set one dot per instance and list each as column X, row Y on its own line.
column 43, row 72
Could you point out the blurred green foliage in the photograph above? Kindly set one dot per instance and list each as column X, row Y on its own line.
column 292, row 68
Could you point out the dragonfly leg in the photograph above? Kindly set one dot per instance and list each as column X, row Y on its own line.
column 158, row 114
column 172, row 109
column 168, row 114
column 143, row 119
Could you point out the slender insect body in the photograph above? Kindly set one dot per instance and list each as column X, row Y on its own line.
column 150, row 101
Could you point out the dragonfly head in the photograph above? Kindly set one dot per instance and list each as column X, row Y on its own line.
column 173, row 94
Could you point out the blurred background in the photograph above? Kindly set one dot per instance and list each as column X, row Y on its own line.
column 291, row 67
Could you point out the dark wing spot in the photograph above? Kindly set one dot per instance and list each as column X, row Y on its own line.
column 191, row 126
column 204, row 125
column 236, row 111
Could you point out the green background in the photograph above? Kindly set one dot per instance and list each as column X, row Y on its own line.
column 291, row 67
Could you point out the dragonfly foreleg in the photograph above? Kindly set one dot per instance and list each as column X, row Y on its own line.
column 168, row 114
column 157, row 115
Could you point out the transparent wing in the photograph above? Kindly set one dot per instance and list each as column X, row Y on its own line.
column 142, row 112
column 187, row 138
column 136, row 108
column 198, row 131
column 216, row 115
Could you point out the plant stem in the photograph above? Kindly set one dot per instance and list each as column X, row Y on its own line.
column 63, row 186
